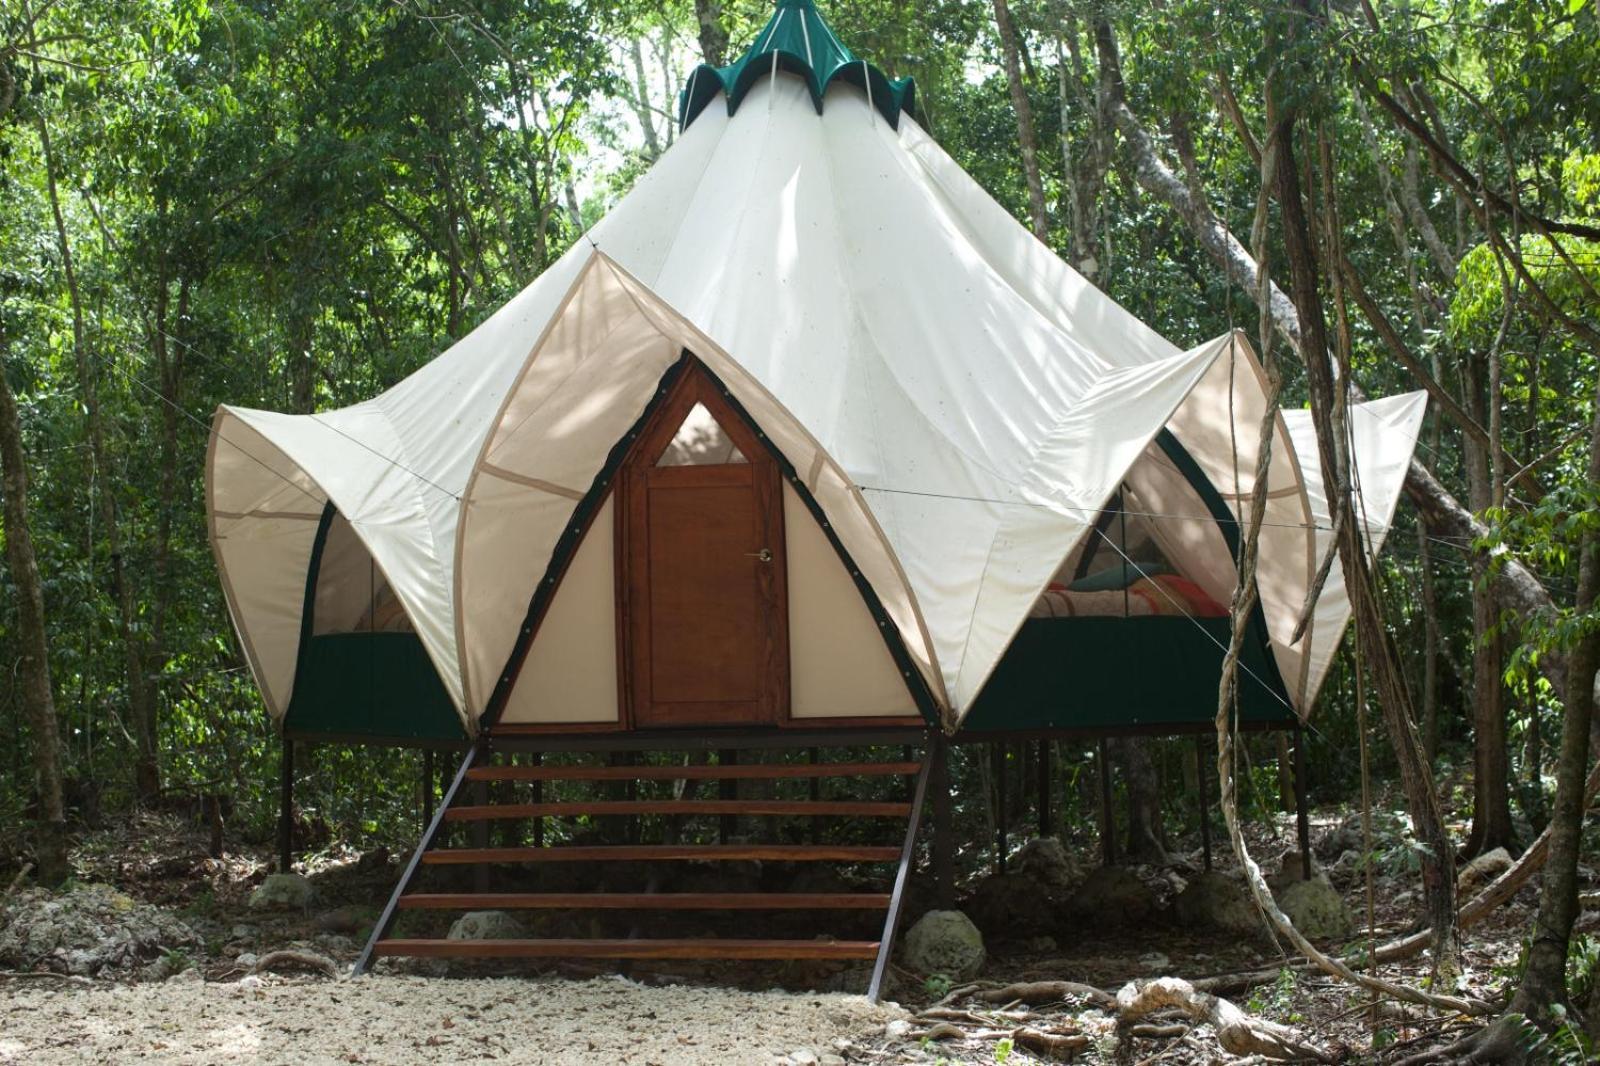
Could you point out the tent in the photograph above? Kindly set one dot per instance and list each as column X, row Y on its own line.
column 953, row 408
column 806, row 432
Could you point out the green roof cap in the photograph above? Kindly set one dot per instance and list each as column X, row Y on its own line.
column 797, row 40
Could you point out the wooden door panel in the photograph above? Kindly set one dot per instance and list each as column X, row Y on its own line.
column 705, row 619
column 703, row 612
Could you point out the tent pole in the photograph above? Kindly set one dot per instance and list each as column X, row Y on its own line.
column 908, row 851
column 427, row 786
column 814, row 756
column 1205, row 796
column 728, row 788
column 1302, row 813
column 286, row 808
column 1046, row 826
column 1108, row 843
column 997, row 758
column 480, row 829
column 538, row 797
column 944, row 881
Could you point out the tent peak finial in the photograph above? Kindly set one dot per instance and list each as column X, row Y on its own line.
column 796, row 40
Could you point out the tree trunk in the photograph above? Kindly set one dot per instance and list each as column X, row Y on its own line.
column 1011, row 49
column 1146, row 832
column 1438, row 867
column 147, row 776
column 713, row 35
column 1544, row 980
column 38, row 701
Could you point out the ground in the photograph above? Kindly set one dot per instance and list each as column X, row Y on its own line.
column 200, row 1002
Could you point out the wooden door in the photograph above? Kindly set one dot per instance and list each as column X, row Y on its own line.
column 702, row 610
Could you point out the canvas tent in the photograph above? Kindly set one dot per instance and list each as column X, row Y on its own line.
column 954, row 412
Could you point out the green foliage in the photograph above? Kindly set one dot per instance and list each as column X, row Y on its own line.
column 1278, row 999
column 293, row 205
column 936, row 986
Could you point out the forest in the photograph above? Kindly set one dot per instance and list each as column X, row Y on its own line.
column 291, row 205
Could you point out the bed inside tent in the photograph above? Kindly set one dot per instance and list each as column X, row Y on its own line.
column 1130, row 633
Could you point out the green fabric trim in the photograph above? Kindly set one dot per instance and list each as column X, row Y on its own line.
column 371, row 684
column 1108, row 673
column 796, row 40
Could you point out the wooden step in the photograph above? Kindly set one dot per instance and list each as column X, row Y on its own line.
column 709, row 948
column 668, row 852
column 849, row 808
column 652, row 901
column 746, row 771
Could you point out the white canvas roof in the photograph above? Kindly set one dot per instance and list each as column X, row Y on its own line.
column 958, row 400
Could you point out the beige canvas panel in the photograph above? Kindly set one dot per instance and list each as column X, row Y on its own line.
column 570, row 674
column 839, row 666
column 262, row 514
column 1220, row 426
column 587, row 381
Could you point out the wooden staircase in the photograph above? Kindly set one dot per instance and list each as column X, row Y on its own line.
column 520, row 786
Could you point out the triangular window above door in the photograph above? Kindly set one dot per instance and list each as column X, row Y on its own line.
column 701, row 441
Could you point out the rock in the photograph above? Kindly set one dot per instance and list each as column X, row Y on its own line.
column 1345, row 872
column 945, row 942
column 374, row 861
column 1480, row 871
column 87, row 930
column 348, row 919
column 487, row 925
column 1216, row 900
column 1045, row 860
column 247, row 960
column 1114, row 896
column 189, row 976
column 1316, row 909
column 287, row 891
column 831, row 1060
column 803, row 1057
column 249, row 983
column 242, row 932
column 1346, row 836
column 897, row 1029
column 1016, row 905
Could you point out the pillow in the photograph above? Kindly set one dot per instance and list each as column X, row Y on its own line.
column 1118, row 576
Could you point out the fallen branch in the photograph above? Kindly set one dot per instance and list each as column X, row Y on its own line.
column 17, row 880
column 52, row 975
column 1034, row 993
column 1237, row 1032
column 1496, row 892
column 1050, row 1045
column 289, row 959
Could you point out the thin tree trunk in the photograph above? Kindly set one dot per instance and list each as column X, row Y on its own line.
column 1544, row 982
column 1010, row 50
column 147, row 776
column 38, row 701
column 1146, row 840
column 1438, row 868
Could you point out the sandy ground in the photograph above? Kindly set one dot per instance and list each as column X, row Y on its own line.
column 402, row 1020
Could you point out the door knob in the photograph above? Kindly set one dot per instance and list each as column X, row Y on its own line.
column 765, row 555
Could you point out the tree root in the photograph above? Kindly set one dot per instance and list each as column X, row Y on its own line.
column 1033, row 993
column 1237, row 1032
column 288, row 959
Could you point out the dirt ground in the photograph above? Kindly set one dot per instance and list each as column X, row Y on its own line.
column 204, row 1005
column 402, row 1020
